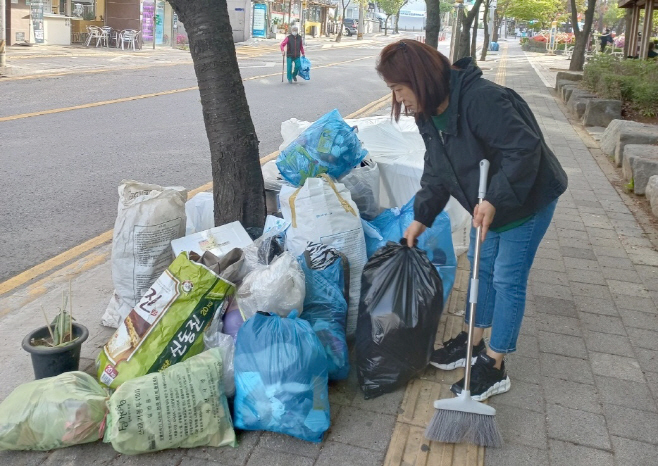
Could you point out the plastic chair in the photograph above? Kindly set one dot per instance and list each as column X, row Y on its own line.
column 94, row 32
column 129, row 36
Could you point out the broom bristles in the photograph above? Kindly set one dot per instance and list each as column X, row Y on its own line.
column 449, row 426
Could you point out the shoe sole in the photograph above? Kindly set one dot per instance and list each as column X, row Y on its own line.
column 496, row 389
column 453, row 365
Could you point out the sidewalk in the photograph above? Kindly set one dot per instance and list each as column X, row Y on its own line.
column 584, row 379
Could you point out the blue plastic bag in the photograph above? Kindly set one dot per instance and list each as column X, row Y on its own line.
column 327, row 146
column 391, row 224
column 305, row 68
column 281, row 378
column 325, row 304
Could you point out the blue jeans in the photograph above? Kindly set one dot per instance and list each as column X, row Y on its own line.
column 505, row 261
column 298, row 64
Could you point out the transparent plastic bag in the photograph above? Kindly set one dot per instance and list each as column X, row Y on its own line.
column 277, row 288
column 363, row 184
column 328, row 146
column 214, row 338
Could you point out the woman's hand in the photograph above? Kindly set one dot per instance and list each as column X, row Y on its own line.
column 413, row 232
column 483, row 215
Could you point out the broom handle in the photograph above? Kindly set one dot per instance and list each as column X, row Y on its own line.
column 473, row 295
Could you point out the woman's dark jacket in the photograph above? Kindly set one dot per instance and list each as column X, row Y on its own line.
column 489, row 121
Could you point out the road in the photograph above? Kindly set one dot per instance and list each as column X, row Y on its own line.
column 60, row 170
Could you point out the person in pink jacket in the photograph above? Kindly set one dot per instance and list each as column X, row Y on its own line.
column 292, row 47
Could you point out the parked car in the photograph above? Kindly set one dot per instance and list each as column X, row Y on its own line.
column 350, row 26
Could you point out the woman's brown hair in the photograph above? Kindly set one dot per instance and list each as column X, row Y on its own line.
column 418, row 66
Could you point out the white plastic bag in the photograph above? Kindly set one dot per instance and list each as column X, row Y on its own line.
column 200, row 212
column 214, row 338
column 149, row 218
column 272, row 177
column 363, row 183
column 277, row 288
column 322, row 211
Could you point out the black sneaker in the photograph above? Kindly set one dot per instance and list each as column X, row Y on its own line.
column 453, row 353
column 486, row 380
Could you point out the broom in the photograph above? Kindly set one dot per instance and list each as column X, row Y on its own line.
column 462, row 419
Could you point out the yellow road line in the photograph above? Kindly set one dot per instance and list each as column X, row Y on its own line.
column 146, row 96
column 61, row 259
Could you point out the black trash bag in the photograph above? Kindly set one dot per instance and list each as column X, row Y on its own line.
column 401, row 304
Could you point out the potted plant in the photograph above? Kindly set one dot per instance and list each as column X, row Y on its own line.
column 55, row 348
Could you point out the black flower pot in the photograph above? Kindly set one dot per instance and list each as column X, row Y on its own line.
column 53, row 361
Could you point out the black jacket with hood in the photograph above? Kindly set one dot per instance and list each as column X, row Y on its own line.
column 487, row 121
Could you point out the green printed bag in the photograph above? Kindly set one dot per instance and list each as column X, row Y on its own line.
column 167, row 324
column 183, row 406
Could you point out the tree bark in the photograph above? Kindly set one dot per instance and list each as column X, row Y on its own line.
column 339, row 37
column 433, row 24
column 496, row 21
column 485, row 20
column 578, row 57
column 386, row 25
column 465, row 37
column 397, row 17
column 238, row 188
column 628, row 19
column 474, row 38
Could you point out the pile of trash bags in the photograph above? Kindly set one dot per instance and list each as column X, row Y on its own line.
column 215, row 328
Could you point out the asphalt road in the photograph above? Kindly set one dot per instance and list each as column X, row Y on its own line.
column 59, row 172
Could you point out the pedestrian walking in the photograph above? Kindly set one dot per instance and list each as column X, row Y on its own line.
column 606, row 38
column 293, row 48
column 465, row 119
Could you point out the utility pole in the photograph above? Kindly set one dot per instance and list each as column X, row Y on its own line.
column 3, row 36
column 359, row 35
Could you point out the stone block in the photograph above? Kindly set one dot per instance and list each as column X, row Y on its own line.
column 563, row 82
column 566, row 90
column 640, row 163
column 600, row 112
column 578, row 455
column 610, row 137
column 577, row 426
column 633, row 137
column 632, row 453
column 651, row 191
column 577, row 102
column 635, row 424
column 568, row 76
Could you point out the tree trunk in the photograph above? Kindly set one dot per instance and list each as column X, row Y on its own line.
column 485, row 19
column 433, row 24
column 238, row 188
column 578, row 57
column 628, row 19
column 496, row 22
column 397, row 21
column 386, row 25
column 474, row 39
column 465, row 38
column 339, row 37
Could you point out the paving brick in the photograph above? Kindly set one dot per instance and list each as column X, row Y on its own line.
column 649, row 258
column 643, row 338
column 567, row 225
column 287, row 444
column 635, row 303
column 567, row 453
column 604, row 251
column 608, row 343
column 581, row 264
column 611, row 365
column 558, row 324
column 602, row 323
column 22, row 458
column 638, row 319
column 556, row 265
column 593, row 277
column 522, row 368
column 264, row 457
column 652, row 382
column 388, row 403
column 602, row 233
column 334, row 453
column 96, row 454
column 589, row 290
column 529, row 326
column 578, row 253
column 342, row 393
column 558, row 306
column 549, row 276
column 566, row 368
column 548, row 290
column 363, row 428
column 648, row 359
column 613, row 273
column 515, row 454
column 596, row 305
column 628, row 288
column 247, row 441
column 577, row 426
column 627, row 393
column 631, row 423
column 523, row 395
column 566, row 345
column 618, row 262
column 605, row 242
column 522, row 426
column 571, row 394
column 632, row 453
column 575, row 243
column 649, row 275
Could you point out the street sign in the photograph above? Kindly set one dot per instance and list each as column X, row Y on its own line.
column 259, row 28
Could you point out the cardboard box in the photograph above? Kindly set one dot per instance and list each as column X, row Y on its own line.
column 219, row 240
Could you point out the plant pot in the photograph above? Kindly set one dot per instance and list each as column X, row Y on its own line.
column 53, row 361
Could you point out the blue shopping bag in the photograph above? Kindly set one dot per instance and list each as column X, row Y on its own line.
column 305, row 68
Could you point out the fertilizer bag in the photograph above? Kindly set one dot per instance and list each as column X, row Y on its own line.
column 327, row 146
column 167, row 324
column 281, row 378
column 53, row 413
column 401, row 304
column 183, row 406
column 326, row 273
column 149, row 218
column 322, row 211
